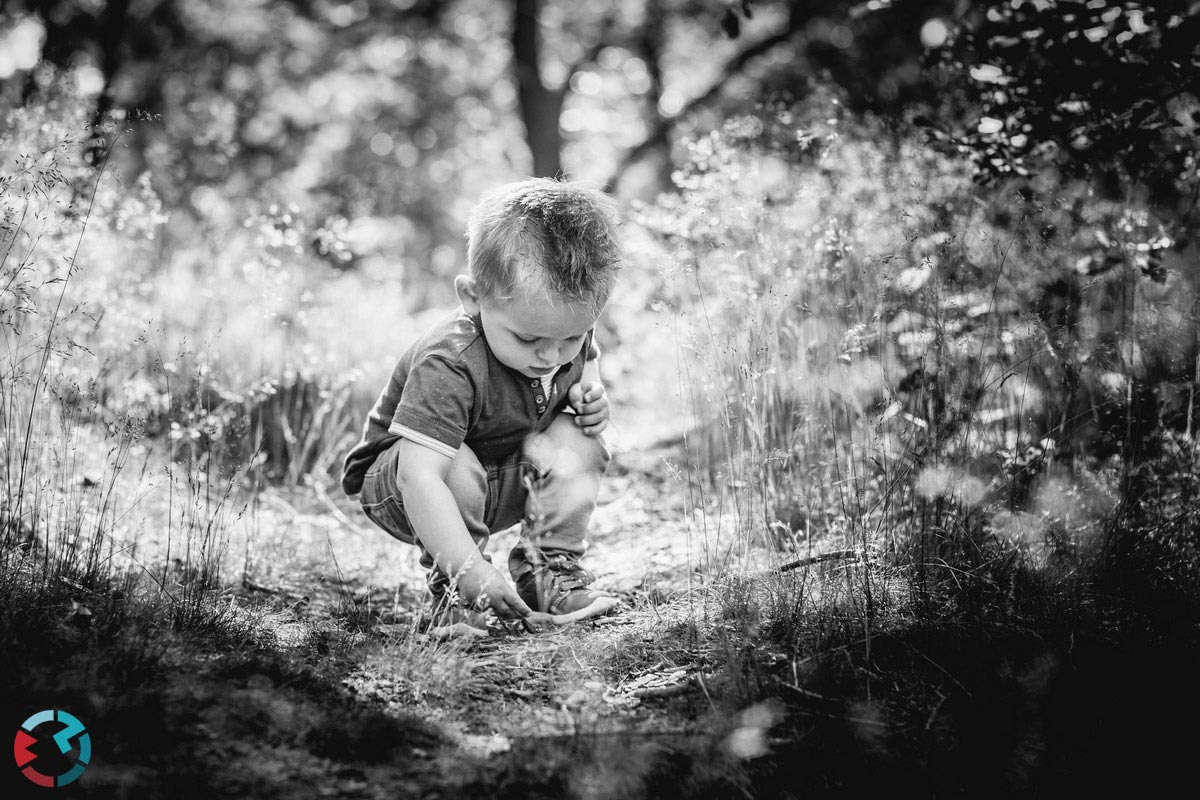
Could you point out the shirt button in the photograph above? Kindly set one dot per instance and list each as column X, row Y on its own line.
column 541, row 409
column 534, row 384
column 538, row 398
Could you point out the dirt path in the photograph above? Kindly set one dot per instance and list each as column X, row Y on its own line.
column 584, row 678
column 631, row 683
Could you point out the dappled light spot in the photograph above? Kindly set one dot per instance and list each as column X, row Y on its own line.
column 858, row 383
column 934, row 32
column 766, row 174
column 951, row 482
column 586, row 82
column 750, row 739
column 747, row 742
column 912, row 279
column 89, row 79
column 21, row 46
column 574, row 120
column 990, row 125
column 381, row 144
column 671, row 102
column 1024, row 393
column 1073, row 500
column 868, row 723
column 988, row 73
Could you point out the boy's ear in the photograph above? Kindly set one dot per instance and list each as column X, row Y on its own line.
column 468, row 293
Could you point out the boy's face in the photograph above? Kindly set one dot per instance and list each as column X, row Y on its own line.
column 532, row 335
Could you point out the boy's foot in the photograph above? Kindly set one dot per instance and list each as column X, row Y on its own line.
column 556, row 584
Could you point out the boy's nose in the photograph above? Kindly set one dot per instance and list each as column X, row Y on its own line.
column 548, row 354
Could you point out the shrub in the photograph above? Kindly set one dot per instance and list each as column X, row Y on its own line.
column 881, row 350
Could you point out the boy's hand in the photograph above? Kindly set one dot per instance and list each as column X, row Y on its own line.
column 483, row 586
column 591, row 407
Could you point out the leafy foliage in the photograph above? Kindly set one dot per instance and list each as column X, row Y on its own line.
column 1105, row 86
column 880, row 349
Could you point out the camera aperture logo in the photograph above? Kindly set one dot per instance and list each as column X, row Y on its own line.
column 58, row 754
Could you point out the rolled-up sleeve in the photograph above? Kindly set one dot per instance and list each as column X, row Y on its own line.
column 435, row 408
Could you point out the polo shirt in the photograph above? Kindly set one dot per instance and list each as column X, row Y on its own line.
column 449, row 389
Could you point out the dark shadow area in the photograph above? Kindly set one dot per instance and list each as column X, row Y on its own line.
column 934, row 712
column 208, row 713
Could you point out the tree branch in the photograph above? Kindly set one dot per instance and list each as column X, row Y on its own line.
column 665, row 124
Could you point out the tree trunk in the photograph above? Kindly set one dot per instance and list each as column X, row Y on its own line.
column 651, row 44
column 540, row 106
column 112, row 36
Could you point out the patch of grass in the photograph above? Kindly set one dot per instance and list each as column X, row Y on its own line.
column 205, row 708
column 410, row 667
column 671, row 644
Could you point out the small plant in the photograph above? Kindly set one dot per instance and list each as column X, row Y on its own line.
column 301, row 425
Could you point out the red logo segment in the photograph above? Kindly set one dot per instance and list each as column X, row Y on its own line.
column 21, row 748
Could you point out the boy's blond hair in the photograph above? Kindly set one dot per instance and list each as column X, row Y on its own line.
column 554, row 236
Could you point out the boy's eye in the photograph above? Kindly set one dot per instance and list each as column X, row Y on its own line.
column 525, row 340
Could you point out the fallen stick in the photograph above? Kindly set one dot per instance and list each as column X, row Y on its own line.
column 669, row 690
column 832, row 555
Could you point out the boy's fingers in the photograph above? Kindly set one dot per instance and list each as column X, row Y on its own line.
column 597, row 429
column 506, row 603
column 514, row 608
column 587, row 420
column 591, row 408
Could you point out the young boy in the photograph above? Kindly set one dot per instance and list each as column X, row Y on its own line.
column 494, row 416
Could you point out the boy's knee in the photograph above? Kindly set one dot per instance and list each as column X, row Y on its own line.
column 565, row 449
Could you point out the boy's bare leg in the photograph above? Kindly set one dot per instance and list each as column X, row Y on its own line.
column 468, row 483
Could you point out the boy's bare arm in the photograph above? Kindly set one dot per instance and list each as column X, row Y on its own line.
column 421, row 479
